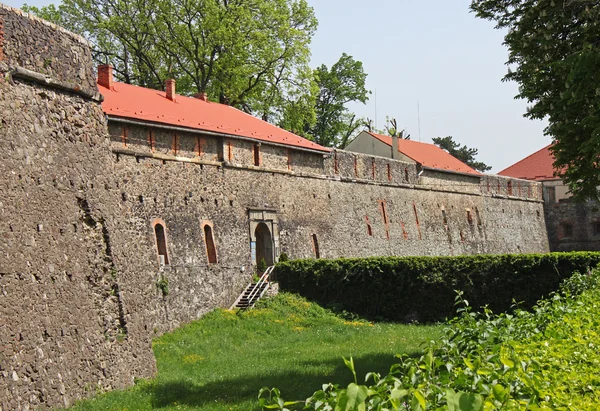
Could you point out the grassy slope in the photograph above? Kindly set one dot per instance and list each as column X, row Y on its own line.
column 221, row 361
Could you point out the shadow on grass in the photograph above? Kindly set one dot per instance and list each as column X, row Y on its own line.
column 293, row 385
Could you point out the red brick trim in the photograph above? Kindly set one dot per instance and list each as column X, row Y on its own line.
column 1, row 38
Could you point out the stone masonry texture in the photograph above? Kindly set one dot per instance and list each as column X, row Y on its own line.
column 80, row 197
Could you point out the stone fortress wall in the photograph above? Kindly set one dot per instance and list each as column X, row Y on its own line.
column 82, row 198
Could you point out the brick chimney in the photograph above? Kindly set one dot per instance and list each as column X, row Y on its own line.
column 395, row 147
column 170, row 89
column 201, row 96
column 105, row 76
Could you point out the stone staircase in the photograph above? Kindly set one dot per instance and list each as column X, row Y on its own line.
column 253, row 292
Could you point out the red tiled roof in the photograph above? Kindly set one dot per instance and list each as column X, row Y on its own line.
column 428, row 155
column 537, row 166
column 139, row 103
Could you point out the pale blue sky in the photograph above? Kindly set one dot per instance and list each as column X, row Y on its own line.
column 434, row 52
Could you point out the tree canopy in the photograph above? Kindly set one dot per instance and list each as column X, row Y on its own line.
column 463, row 153
column 252, row 54
column 338, row 86
column 554, row 55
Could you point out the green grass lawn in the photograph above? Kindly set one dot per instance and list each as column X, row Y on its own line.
column 221, row 361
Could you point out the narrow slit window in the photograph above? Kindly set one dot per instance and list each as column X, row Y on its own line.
column 336, row 168
column 229, row 151
column 417, row 221
column 161, row 244
column 444, row 217
column 389, row 172
column 406, row 174
column 369, row 228
column 316, row 246
column 211, row 251
column 124, row 136
column 373, row 169
column 151, row 141
column 289, row 159
column 199, row 144
column 478, row 217
column 469, row 217
column 355, row 166
column 257, row 155
column 509, row 189
column 175, row 144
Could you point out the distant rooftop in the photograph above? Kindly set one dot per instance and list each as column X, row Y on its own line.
column 428, row 155
column 139, row 103
column 537, row 166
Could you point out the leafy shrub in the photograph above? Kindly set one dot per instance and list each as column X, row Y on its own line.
column 423, row 288
column 545, row 359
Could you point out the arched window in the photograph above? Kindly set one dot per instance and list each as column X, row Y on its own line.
column 209, row 241
column 161, row 243
column 316, row 246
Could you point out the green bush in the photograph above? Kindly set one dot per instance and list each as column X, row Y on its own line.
column 424, row 288
column 543, row 359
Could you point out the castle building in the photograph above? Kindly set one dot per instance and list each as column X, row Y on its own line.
column 572, row 226
column 110, row 192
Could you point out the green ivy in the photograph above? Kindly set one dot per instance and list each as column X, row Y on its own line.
column 423, row 288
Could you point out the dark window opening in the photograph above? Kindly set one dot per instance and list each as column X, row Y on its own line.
column 373, row 169
column 509, row 190
column 161, row 244
column 596, row 227
column 469, row 217
column 389, row 172
column 406, row 174
column 316, row 246
column 211, row 251
column 478, row 216
column 257, row 155
column 444, row 217
column 229, row 151
column 355, row 166
column 566, row 230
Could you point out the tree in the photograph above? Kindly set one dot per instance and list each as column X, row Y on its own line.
column 338, row 86
column 252, row 54
column 391, row 129
column 464, row 154
column 554, row 55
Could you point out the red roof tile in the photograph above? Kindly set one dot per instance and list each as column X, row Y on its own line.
column 537, row 166
column 428, row 155
column 133, row 102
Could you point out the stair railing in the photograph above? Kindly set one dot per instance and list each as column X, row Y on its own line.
column 264, row 279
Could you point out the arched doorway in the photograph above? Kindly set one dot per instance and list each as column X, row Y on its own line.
column 264, row 244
